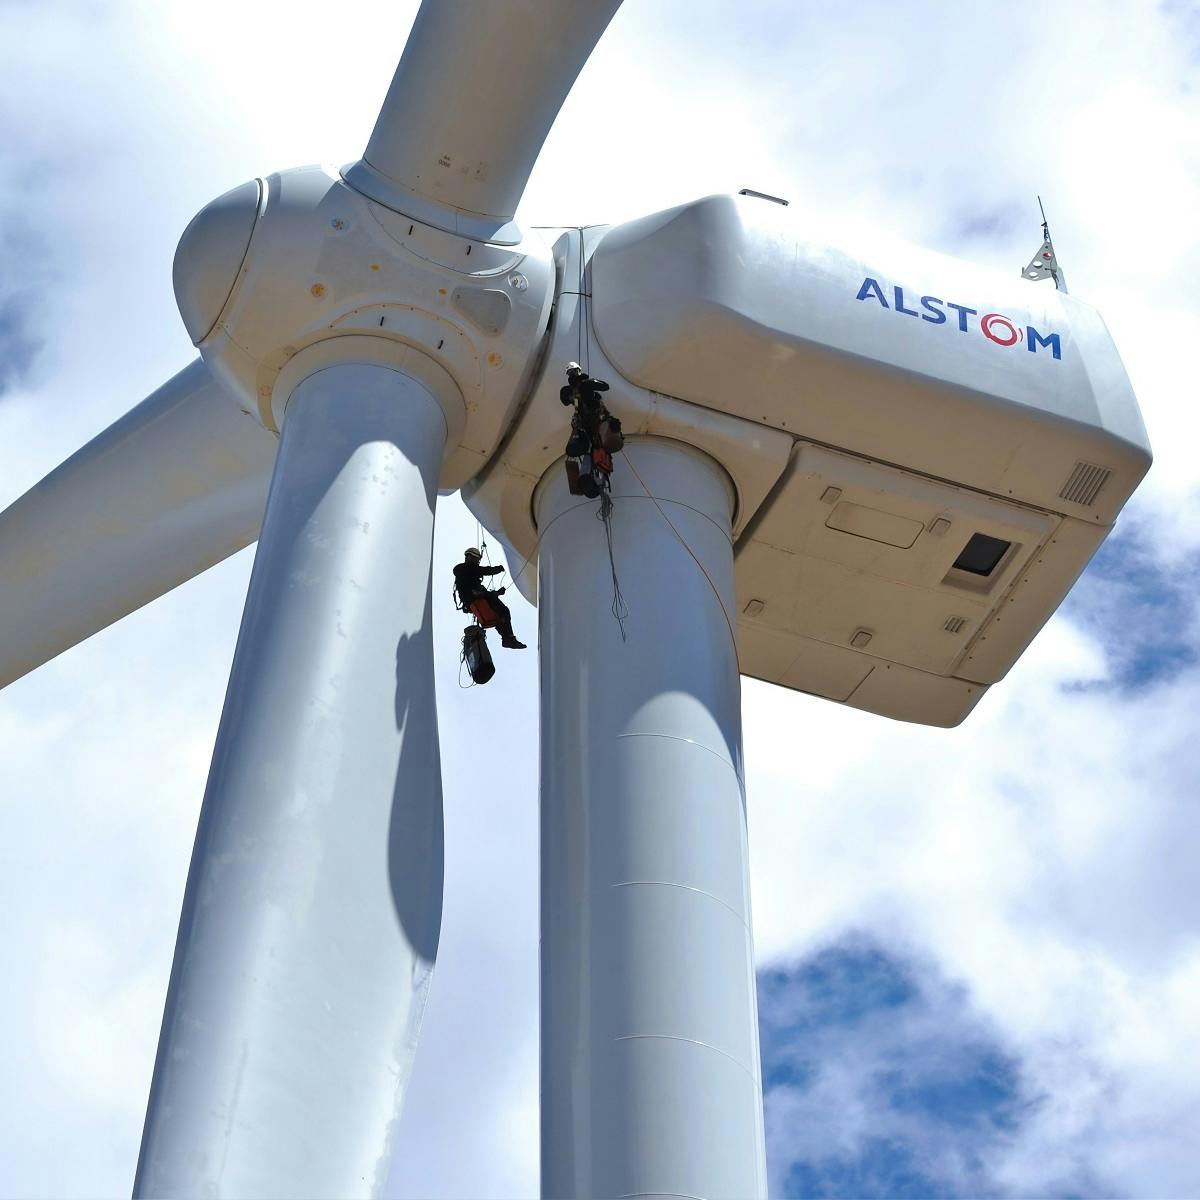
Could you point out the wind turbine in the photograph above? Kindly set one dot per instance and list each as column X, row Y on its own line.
column 868, row 476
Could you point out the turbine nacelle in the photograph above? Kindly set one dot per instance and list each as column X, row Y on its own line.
column 924, row 454
column 285, row 275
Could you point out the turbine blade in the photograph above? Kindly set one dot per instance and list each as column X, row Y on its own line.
column 312, row 914
column 475, row 94
column 174, row 486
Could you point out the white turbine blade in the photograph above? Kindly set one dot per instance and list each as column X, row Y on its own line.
column 312, row 913
column 475, row 94
column 174, row 486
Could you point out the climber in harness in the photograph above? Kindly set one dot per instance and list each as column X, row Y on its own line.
column 595, row 434
column 485, row 606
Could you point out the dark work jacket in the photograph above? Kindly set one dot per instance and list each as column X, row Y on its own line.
column 468, row 581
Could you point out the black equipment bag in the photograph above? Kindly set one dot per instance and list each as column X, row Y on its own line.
column 476, row 655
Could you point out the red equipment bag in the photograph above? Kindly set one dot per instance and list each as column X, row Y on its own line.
column 483, row 612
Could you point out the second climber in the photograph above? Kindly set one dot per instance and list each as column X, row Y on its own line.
column 468, row 585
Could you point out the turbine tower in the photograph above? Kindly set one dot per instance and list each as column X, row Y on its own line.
column 870, row 475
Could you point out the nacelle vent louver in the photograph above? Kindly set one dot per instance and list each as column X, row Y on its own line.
column 1084, row 483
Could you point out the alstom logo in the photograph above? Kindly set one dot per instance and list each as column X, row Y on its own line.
column 994, row 326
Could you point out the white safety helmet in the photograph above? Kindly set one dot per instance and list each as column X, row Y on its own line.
column 471, row 552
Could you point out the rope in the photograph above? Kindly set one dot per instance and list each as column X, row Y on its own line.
column 703, row 569
column 619, row 606
column 462, row 662
column 585, row 337
column 620, row 610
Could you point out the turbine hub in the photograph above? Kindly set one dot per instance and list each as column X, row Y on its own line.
column 285, row 275
column 210, row 255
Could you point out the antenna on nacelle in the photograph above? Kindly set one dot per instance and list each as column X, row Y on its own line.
column 1044, row 264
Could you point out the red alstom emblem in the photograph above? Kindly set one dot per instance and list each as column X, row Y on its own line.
column 988, row 325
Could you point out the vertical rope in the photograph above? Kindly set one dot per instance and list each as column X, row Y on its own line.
column 620, row 610
column 703, row 570
column 585, row 337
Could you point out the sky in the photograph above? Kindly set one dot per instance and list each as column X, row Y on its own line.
column 979, row 962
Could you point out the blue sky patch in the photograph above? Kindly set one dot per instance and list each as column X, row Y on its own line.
column 1142, row 611
column 22, row 252
column 19, row 346
column 882, row 1081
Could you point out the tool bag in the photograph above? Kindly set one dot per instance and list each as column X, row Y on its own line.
column 476, row 655
column 483, row 613
column 612, row 439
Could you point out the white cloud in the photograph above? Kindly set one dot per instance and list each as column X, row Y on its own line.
column 1042, row 854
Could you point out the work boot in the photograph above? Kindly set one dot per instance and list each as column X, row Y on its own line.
column 511, row 643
